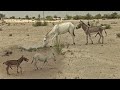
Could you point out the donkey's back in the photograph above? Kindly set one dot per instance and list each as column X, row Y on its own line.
column 64, row 27
column 11, row 62
column 95, row 29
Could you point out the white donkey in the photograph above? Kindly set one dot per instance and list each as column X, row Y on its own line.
column 59, row 29
column 42, row 57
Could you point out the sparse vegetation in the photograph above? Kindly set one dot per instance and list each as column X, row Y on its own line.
column 107, row 26
column 38, row 23
column 12, row 17
column 27, row 17
column 49, row 18
column 58, row 47
column 118, row 35
column 113, row 22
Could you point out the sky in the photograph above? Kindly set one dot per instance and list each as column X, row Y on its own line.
column 52, row 13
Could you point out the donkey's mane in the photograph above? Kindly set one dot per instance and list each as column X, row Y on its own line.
column 50, row 30
column 84, row 23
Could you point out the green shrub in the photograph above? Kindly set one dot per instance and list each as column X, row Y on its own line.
column 107, row 26
column 38, row 23
column 58, row 47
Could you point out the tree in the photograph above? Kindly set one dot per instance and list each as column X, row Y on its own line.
column 68, row 17
column 88, row 16
column 27, row 17
column 43, row 16
column 2, row 16
column 106, row 16
column 98, row 16
column 114, row 15
column 33, row 17
column 12, row 17
column 76, row 17
column 49, row 17
column 39, row 17
column 55, row 16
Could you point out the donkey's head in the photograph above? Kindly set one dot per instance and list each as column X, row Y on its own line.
column 79, row 25
column 24, row 58
column 45, row 41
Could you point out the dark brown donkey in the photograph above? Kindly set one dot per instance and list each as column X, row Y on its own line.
column 11, row 63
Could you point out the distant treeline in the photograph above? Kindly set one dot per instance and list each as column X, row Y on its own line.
column 98, row 16
column 68, row 17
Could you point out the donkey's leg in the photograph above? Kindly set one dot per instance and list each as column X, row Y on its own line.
column 35, row 64
column 20, row 69
column 54, row 37
column 73, row 37
column 57, row 40
column 96, row 34
column 86, row 40
column 99, row 38
column 90, row 38
column 11, row 67
column 7, row 68
column 71, row 31
column 102, row 38
column 44, row 64
column 17, row 69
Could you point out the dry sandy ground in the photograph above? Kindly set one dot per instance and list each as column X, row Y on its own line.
column 81, row 61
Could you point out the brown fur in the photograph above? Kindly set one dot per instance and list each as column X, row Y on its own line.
column 16, row 63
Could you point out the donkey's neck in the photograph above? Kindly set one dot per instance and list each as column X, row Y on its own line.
column 20, row 60
column 84, row 27
column 49, row 34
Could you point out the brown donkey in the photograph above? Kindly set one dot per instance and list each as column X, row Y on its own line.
column 88, row 30
column 11, row 63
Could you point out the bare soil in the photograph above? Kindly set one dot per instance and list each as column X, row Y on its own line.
column 80, row 61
